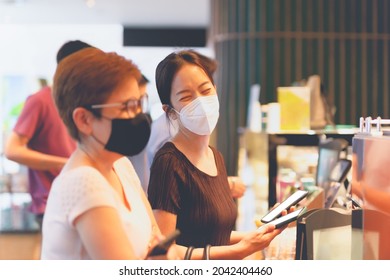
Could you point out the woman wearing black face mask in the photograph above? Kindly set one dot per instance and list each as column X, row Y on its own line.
column 96, row 208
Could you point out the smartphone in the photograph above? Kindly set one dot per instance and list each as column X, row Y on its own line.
column 355, row 204
column 162, row 247
column 288, row 218
column 340, row 171
column 285, row 205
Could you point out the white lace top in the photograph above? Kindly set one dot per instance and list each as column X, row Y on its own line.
column 78, row 190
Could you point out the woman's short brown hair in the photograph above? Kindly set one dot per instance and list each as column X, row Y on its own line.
column 88, row 77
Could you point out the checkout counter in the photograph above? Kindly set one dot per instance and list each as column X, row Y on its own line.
column 361, row 229
column 356, row 227
column 371, row 185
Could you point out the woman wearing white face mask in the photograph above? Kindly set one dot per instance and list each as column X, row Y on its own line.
column 188, row 187
column 201, row 115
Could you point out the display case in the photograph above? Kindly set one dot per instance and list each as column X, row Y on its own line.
column 307, row 143
column 15, row 201
column 270, row 162
column 371, row 188
column 20, row 236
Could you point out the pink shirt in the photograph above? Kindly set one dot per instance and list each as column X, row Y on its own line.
column 41, row 123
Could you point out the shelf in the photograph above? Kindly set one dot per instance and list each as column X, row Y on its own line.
column 28, row 231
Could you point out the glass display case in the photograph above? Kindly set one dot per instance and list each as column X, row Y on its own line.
column 304, row 147
column 270, row 163
column 14, row 197
column 15, row 201
column 371, row 188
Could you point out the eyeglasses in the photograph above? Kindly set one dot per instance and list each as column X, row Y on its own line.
column 132, row 106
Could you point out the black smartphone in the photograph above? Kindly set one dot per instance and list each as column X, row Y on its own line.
column 355, row 204
column 285, row 205
column 288, row 218
column 340, row 171
column 162, row 247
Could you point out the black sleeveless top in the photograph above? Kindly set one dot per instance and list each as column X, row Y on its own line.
column 206, row 212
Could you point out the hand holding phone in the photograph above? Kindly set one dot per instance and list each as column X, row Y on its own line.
column 162, row 247
column 288, row 218
column 285, row 205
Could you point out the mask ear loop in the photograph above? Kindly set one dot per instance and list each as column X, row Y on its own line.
column 98, row 140
column 170, row 108
column 176, row 122
column 99, row 117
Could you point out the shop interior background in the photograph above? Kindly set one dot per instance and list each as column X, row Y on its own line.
column 31, row 32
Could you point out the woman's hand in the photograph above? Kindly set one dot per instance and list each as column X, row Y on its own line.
column 173, row 252
column 257, row 240
column 258, row 223
column 237, row 187
column 260, row 238
column 176, row 252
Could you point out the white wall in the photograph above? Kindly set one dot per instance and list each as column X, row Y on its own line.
column 30, row 51
column 32, row 31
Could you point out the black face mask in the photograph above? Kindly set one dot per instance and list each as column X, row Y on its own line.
column 129, row 136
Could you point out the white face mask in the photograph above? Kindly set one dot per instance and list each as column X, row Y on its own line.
column 201, row 115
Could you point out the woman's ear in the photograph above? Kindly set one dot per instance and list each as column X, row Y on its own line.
column 83, row 120
column 169, row 111
column 165, row 107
